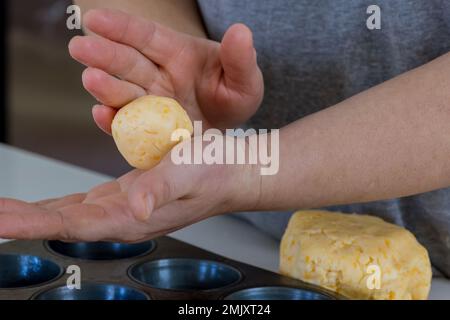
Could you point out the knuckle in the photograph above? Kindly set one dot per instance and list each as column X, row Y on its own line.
column 130, row 68
column 148, row 37
column 128, row 21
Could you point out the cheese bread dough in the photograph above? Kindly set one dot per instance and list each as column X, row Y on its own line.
column 142, row 129
column 360, row 257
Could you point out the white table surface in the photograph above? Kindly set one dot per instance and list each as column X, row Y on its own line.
column 32, row 177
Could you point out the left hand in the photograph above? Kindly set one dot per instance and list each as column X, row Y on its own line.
column 138, row 206
column 219, row 84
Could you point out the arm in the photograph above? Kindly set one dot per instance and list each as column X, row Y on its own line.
column 390, row 141
column 180, row 15
column 386, row 142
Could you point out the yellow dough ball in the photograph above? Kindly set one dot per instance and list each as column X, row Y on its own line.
column 142, row 129
column 360, row 257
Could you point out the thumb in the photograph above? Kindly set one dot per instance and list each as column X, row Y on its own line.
column 238, row 57
column 155, row 188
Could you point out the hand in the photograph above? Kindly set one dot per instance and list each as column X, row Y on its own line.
column 138, row 206
column 218, row 83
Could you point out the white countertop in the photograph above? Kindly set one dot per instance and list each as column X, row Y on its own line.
column 31, row 177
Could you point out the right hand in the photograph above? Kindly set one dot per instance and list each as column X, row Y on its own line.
column 217, row 83
column 139, row 206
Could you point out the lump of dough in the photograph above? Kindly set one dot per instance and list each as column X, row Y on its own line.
column 336, row 250
column 142, row 129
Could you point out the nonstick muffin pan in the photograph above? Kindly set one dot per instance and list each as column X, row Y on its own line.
column 164, row 268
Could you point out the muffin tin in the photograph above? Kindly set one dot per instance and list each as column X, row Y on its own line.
column 164, row 268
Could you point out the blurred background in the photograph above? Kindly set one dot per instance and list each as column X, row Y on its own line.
column 48, row 110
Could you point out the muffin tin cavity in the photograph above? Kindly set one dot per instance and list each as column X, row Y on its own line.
column 277, row 293
column 22, row 271
column 161, row 269
column 93, row 291
column 101, row 250
column 185, row 274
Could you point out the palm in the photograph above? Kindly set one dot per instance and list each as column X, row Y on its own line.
column 113, row 211
column 100, row 214
column 192, row 92
column 218, row 83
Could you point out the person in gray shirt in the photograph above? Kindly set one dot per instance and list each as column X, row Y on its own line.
column 315, row 54
column 361, row 96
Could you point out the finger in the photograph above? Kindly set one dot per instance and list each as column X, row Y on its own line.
column 62, row 201
column 112, row 187
column 164, row 183
column 238, row 57
column 22, row 220
column 155, row 41
column 42, row 203
column 114, row 58
column 102, row 190
column 38, row 223
column 75, row 222
column 65, row 201
column 12, row 205
column 92, row 222
column 103, row 117
column 117, row 221
column 128, row 179
column 109, row 90
column 109, row 218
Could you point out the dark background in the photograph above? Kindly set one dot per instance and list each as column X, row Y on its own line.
column 3, row 109
column 48, row 111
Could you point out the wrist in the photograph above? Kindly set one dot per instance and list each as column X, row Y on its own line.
column 247, row 181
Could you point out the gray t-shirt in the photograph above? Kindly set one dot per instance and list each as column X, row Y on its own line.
column 315, row 54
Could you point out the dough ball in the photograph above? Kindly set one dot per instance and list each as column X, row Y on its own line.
column 339, row 251
column 142, row 129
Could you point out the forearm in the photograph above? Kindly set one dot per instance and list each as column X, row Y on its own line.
column 390, row 141
column 180, row 15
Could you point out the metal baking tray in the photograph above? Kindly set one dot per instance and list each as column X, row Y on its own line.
column 161, row 269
